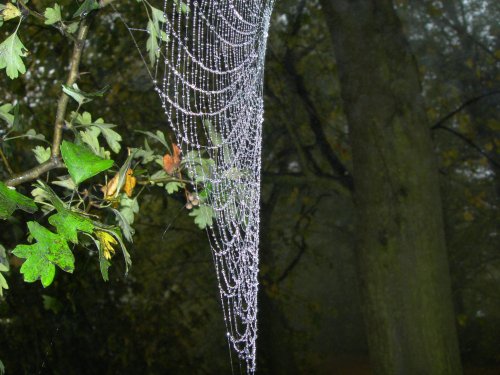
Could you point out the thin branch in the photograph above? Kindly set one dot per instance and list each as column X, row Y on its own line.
column 35, row 172
column 62, row 104
column 471, row 144
column 55, row 160
column 6, row 162
column 463, row 106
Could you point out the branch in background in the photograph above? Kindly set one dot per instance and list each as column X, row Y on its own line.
column 344, row 176
column 462, row 107
column 306, row 214
column 471, row 144
column 316, row 124
column 443, row 120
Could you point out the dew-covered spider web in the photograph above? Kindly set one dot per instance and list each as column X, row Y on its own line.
column 208, row 71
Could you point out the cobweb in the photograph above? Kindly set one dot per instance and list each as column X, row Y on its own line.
column 208, row 74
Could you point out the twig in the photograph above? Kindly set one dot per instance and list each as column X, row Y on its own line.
column 62, row 104
column 6, row 162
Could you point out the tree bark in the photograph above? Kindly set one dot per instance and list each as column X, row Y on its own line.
column 401, row 253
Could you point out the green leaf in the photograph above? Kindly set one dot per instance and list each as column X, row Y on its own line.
column 80, row 96
column 49, row 251
column 68, row 224
column 90, row 137
column 203, row 216
column 152, row 45
column 104, row 265
column 182, row 6
column 72, row 27
column 155, row 34
column 125, row 225
column 32, row 134
column 52, row 15
column 44, row 193
column 147, row 155
column 11, row 52
column 173, row 187
column 159, row 136
column 112, row 138
column 81, row 162
column 87, row 7
column 10, row 200
column 198, row 168
column 2, row 367
column 6, row 115
column 65, row 182
column 4, row 267
column 213, row 135
column 42, row 154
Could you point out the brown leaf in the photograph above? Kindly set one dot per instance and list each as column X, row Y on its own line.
column 172, row 162
column 110, row 188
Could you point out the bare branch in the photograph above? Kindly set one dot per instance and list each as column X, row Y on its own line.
column 35, row 172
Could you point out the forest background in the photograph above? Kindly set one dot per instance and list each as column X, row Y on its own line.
column 165, row 317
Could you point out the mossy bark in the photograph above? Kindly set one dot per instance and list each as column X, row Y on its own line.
column 402, row 260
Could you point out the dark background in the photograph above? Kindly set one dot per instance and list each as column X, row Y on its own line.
column 165, row 317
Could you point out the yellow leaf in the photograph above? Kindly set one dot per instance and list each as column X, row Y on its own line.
column 468, row 216
column 9, row 12
column 130, row 182
column 107, row 242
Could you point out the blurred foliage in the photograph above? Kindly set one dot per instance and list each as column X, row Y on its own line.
column 164, row 317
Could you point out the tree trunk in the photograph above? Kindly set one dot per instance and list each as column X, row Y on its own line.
column 401, row 253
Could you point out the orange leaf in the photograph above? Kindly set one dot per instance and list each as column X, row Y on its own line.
column 172, row 162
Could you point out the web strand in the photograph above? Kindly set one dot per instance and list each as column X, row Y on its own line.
column 208, row 74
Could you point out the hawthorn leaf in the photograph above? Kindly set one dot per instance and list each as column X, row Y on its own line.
column 72, row 27
column 50, row 250
column 9, row 11
column 127, row 229
column 159, row 136
column 11, row 52
column 203, row 216
column 5, row 113
column 10, row 200
column 81, row 162
column 90, row 137
column 52, row 15
column 80, row 96
column 152, row 42
column 173, row 186
column 65, row 182
column 68, row 224
column 112, row 138
column 42, row 154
